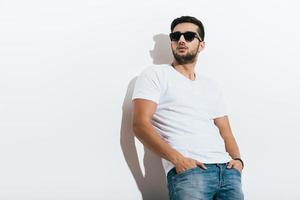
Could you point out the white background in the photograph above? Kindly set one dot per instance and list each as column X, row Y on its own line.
column 67, row 69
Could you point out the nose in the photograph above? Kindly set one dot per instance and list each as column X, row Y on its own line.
column 181, row 40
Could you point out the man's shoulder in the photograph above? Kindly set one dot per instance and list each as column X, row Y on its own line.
column 155, row 70
column 209, row 80
column 211, row 83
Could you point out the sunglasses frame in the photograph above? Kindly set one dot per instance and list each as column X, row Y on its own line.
column 195, row 35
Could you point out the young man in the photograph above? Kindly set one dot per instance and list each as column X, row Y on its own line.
column 180, row 115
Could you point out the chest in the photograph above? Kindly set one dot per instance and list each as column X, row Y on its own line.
column 189, row 97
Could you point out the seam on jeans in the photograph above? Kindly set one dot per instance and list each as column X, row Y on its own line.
column 171, row 184
column 173, row 193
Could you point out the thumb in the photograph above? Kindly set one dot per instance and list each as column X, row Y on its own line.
column 201, row 164
column 229, row 165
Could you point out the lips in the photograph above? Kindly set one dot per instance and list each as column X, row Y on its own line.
column 181, row 48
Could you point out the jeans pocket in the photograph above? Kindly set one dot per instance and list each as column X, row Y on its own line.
column 238, row 171
column 185, row 171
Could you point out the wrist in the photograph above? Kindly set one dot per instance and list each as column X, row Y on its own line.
column 176, row 158
column 239, row 159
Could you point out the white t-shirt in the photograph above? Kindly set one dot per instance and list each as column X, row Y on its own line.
column 185, row 112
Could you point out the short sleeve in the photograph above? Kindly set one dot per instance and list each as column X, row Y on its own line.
column 148, row 86
column 220, row 105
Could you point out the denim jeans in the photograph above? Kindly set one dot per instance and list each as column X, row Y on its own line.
column 217, row 182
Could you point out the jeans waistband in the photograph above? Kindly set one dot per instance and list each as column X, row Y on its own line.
column 173, row 170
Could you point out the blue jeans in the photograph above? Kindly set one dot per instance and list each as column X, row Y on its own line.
column 214, row 183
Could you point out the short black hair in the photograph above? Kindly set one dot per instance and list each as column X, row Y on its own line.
column 189, row 19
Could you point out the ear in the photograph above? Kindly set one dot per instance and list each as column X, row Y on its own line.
column 201, row 46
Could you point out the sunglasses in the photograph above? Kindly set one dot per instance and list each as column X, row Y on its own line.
column 188, row 36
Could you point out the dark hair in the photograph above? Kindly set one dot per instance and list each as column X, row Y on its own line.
column 189, row 19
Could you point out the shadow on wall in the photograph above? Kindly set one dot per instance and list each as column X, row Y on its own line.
column 153, row 184
column 161, row 53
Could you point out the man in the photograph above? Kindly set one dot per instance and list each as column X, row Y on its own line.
column 180, row 115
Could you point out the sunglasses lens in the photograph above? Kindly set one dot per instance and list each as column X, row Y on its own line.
column 175, row 36
column 189, row 36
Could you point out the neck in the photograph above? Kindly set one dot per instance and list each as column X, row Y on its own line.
column 188, row 70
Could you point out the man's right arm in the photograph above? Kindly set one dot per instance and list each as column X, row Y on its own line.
column 143, row 111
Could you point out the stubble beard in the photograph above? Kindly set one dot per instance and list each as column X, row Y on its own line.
column 190, row 57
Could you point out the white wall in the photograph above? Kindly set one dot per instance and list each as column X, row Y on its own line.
column 67, row 69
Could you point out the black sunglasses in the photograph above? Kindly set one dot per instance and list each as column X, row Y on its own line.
column 188, row 36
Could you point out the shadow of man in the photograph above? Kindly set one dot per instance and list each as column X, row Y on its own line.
column 152, row 185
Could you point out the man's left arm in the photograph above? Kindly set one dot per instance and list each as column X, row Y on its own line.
column 230, row 144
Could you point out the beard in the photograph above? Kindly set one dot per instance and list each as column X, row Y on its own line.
column 190, row 57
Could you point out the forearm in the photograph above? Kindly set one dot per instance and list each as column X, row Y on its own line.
column 232, row 147
column 225, row 131
column 151, row 139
